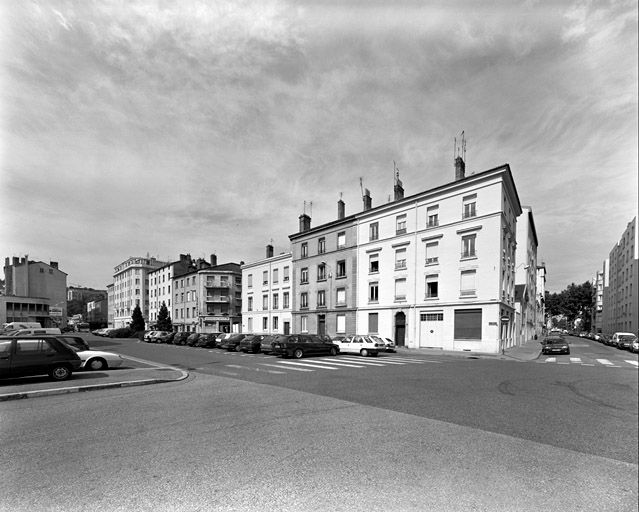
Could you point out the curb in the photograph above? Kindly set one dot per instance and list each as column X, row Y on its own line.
column 93, row 387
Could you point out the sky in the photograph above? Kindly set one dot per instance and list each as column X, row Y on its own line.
column 165, row 128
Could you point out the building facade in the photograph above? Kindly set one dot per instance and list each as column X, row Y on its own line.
column 131, row 289
column 160, row 283
column 218, row 298
column 266, row 294
column 542, row 321
column 34, row 292
column 621, row 304
column 597, row 311
column 526, row 298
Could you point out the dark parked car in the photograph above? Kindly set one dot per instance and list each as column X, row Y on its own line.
column 300, row 345
column 164, row 337
column 24, row 356
column 207, row 340
column 554, row 345
column 233, row 342
column 266, row 345
column 75, row 341
column 180, row 338
column 192, row 339
column 251, row 343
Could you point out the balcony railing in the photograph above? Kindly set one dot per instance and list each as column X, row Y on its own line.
column 400, row 265
column 218, row 298
column 469, row 254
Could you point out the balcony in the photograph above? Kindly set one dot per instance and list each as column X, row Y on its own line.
column 218, row 298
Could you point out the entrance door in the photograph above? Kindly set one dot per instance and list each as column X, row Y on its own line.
column 400, row 329
column 321, row 325
column 431, row 331
column 287, row 327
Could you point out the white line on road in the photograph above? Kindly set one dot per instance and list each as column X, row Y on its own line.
column 551, row 359
column 633, row 362
column 328, row 361
column 359, row 361
column 575, row 359
column 603, row 361
column 311, row 365
column 287, row 367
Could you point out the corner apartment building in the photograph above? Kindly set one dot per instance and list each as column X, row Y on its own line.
column 219, row 297
column 131, row 288
column 266, row 294
column 621, row 302
column 526, row 298
column 325, row 276
column 160, row 282
column 437, row 269
column 34, row 292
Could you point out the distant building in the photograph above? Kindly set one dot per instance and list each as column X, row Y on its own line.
column 110, row 311
column 85, row 294
column 34, row 292
column 597, row 310
column 526, row 299
column 266, row 294
column 542, row 321
column 97, row 313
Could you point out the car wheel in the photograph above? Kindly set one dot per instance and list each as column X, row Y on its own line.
column 256, row 350
column 333, row 351
column 60, row 372
column 298, row 353
column 238, row 349
column 96, row 364
column 363, row 352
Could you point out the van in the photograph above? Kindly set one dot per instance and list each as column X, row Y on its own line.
column 14, row 326
column 36, row 332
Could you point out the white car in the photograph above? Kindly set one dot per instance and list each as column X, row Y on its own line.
column 360, row 344
column 388, row 343
column 98, row 360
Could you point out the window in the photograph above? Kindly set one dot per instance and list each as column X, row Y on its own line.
column 305, row 250
column 431, row 317
column 340, row 328
column 264, row 323
column 341, row 240
column 469, row 206
column 250, row 303
column 285, row 300
column 264, row 302
column 373, row 231
column 341, row 268
column 275, row 323
column 467, row 287
column 304, row 275
column 373, row 292
column 321, row 299
column 286, row 275
column 276, row 301
column 372, row 322
column 304, row 300
column 468, row 324
column 265, row 277
column 321, row 272
column 373, row 264
column 340, row 297
column 433, row 216
column 432, row 286
column 321, row 246
column 400, row 289
column 401, row 224
column 249, row 325
column 468, row 246
column 303, row 324
column 188, row 296
column 400, row 259
column 432, row 253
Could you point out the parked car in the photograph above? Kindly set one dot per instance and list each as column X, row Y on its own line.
column 148, row 336
column 232, row 342
column 98, row 359
column 251, row 343
column 363, row 345
column 26, row 356
column 266, row 344
column 157, row 335
column 622, row 339
column 389, row 345
column 192, row 339
column 74, row 341
column 207, row 340
column 634, row 345
column 554, row 345
column 222, row 338
column 120, row 332
column 180, row 338
column 165, row 337
column 300, row 345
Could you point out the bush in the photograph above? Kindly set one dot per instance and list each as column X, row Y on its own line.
column 122, row 332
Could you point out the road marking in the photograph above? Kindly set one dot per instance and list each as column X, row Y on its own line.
column 633, row 362
column 359, row 361
column 587, row 364
column 311, row 365
column 562, row 363
column 341, row 364
column 603, row 361
column 551, row 359
column 287, row 367
column 575, row 359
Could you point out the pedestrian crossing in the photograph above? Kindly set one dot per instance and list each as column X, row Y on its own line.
column 276, row 365
column 626, row 363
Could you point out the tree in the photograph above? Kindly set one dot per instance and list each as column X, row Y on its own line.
column 137, row 320
column 164, row 320
column 575, row 302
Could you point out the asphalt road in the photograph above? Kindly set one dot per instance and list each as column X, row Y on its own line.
column 433, row 433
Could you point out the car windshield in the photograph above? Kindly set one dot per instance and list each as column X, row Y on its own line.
column 626, row 338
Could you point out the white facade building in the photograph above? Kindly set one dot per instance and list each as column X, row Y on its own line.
column 437, row 269
column 160, row 290
column 267, row 294
column 526, row 278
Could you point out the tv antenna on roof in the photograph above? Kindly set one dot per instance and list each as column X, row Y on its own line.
column 310, row 204
column 361, row 186
column 460, row 147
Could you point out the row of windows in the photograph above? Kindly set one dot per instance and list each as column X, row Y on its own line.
column 321, row 244
column 275, row 320
column 468, row 287
column 276, row 276
column 320, row 298
column 275, row 302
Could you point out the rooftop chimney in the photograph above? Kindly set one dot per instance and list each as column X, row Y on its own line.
column 269, row 251
column 213, row 259
column 340, row 209
column 368, row 202
column 460, row 169
column 305, row 223
column 398, row 189
column 53, row 264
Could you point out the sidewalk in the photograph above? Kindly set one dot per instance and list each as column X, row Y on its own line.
column 526, row 352
column 32, row 387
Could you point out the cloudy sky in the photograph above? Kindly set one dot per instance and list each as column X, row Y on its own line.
column 202, row 127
